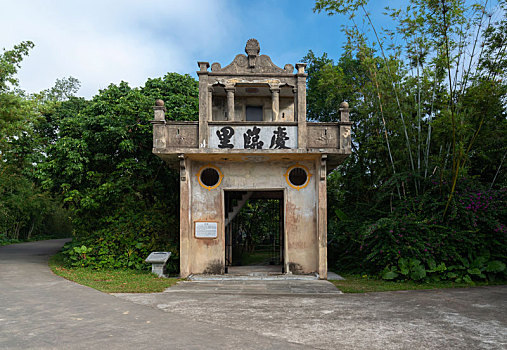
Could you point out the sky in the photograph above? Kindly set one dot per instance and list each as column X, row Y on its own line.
column 100, row 42
column 107, row 41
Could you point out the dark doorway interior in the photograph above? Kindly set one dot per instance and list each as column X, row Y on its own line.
column 254, row 230
column 254, row 113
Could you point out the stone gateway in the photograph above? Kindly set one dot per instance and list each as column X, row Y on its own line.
column 252, row 142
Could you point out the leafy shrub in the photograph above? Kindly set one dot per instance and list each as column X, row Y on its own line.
column 126, row 240
column 414, row 243
column 412, row 269
column 79, row 256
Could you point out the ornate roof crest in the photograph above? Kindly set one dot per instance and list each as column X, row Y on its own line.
column 252, row 49
column 252, row 62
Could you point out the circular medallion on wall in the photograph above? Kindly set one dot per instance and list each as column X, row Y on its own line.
column 209, row 177
column 298, row 176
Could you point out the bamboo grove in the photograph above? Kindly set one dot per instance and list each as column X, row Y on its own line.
column 424, row 194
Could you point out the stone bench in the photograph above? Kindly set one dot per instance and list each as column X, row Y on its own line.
column 158, row 261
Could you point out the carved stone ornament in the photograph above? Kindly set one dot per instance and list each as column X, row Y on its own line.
column 323, row 170
column 183, row 172
column 288, row 68
column 253, row 63
column 252, row 49
column 215, row 67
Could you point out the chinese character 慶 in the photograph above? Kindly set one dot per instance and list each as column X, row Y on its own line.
column 279, row 138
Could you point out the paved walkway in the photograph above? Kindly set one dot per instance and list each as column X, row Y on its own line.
column 40, row 310
column 474, row 318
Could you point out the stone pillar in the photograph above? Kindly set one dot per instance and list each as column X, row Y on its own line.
column 301, row 104
column 159, row 110
column 230, row 103
column 203, row 104
column 159, row 129
column 295, row 91
column 210, row 103
column 275, row 103
column 321, row 166
column 344, row 112
column 345, row 137
column 185, row 216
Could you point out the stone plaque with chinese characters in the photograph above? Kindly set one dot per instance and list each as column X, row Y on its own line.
column 253, row 137
column 206, row 229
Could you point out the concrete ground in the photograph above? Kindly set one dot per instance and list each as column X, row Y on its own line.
column 40, row 310
column 474, row 318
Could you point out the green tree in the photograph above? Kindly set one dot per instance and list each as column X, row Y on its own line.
column 123, row 199
column 12, row 105
column 429, row 113
column 25, row 210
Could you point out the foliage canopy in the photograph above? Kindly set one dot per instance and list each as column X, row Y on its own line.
column 423, row 195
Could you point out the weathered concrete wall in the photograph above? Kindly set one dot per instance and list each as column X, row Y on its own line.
column 301, row 207
column 207, row 254
column 286, row 109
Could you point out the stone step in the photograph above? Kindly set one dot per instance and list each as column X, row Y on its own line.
column 254, row 276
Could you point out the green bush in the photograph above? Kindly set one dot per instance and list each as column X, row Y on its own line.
column 415, row 243
column 125, row 240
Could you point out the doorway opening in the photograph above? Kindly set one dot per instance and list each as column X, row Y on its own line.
column 254, row 232
column 254, row 114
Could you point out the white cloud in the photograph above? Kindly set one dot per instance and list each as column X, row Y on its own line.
column 103, row 42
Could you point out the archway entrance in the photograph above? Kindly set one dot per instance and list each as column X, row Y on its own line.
column 254, row 232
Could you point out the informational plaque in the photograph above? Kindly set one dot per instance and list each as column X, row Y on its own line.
column 206, row 229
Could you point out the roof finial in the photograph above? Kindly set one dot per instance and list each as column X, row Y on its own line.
column 252, row 49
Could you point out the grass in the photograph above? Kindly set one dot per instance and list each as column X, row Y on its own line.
column 360, row 284
column 112, row 281
column 134, row 281
column 256, row 258
column 7, row 241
